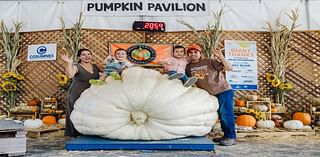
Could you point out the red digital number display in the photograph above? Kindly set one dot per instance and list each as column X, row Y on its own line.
column 149, row 26
column 153, row 26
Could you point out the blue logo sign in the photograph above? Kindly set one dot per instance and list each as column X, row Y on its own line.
column 42, row 50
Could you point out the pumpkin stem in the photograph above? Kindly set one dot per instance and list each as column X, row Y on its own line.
column 139, row 117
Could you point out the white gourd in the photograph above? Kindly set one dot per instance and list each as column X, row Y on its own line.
column 268, row 124
column 144, row 105
column 293, row 124
column 62, row 121
column 32, row 124
column 261, row 108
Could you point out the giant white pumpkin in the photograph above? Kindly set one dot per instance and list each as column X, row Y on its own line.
column 144, row 105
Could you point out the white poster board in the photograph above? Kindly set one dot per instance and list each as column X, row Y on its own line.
column 242, row 55
column 42, row 52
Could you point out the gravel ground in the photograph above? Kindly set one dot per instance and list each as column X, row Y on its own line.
column 52, row 144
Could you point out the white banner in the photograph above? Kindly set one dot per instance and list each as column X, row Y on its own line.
column 247, row 15
column 42, row 52
column 146, row 7
column 242, row 55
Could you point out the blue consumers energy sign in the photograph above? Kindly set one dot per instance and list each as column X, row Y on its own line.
column 42, row 52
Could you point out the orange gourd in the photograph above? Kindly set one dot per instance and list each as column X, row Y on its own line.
column 246, row 120
column 33, row 110
column 240, row 103
column 34, row 102
column 304, row 117
column 49, row 120
column 274, row 110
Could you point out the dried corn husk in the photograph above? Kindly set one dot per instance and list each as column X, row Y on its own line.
column 11, row 45
column 210, row 37
column 72, row 37
column 281, row 36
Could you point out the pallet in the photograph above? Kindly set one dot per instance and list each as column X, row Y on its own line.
column 85, row 143
column 34, row 133
column 275, row 134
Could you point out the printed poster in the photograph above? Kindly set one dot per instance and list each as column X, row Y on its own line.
column 242, row 55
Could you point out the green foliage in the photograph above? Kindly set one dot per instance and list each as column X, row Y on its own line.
column 11, row 45
column 72, row 37
column 210, row 37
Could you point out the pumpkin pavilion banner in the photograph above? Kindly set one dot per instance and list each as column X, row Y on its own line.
column 146, row 7
column 143, row 53
column 242, row 55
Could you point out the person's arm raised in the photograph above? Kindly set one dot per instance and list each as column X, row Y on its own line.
column 71, row 69
column 217, row 52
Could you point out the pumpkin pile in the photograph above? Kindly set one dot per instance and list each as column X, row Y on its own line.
column 144, row 105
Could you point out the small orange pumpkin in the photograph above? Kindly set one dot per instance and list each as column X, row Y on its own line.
column 273, row 109
column 33, row 110
column 246, row 120
column 240, row 103
column 34, row 102
column 304, row 117
column 49, row 120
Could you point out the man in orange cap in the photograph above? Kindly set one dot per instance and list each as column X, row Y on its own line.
column 210, row 75
column 193, row 47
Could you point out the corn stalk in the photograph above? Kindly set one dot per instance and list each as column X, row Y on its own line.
column 210, row 37
column 281, row 36
column 11, row 45
column 72, row 37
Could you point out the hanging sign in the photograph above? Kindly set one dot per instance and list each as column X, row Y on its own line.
column 146, row 7
column 242, row 55
column 42, row 52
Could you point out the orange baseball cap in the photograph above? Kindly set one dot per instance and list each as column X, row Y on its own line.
column 193, row 47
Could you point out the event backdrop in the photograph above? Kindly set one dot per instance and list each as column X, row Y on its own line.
column 303, row 71
column 244, row 15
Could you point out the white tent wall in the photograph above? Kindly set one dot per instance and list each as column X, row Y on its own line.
column 244, row 15
column 313, row 7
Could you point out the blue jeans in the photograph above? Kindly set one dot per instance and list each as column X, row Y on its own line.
column 226, row 113
column 183, row 79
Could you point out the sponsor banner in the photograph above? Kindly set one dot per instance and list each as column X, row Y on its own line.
column 143, row 53
column 42, row 52
column 242, row 55
column 146, row 7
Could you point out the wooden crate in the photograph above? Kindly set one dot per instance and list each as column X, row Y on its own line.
column 13, row 139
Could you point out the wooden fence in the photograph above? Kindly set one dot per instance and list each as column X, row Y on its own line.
column 40, row 80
